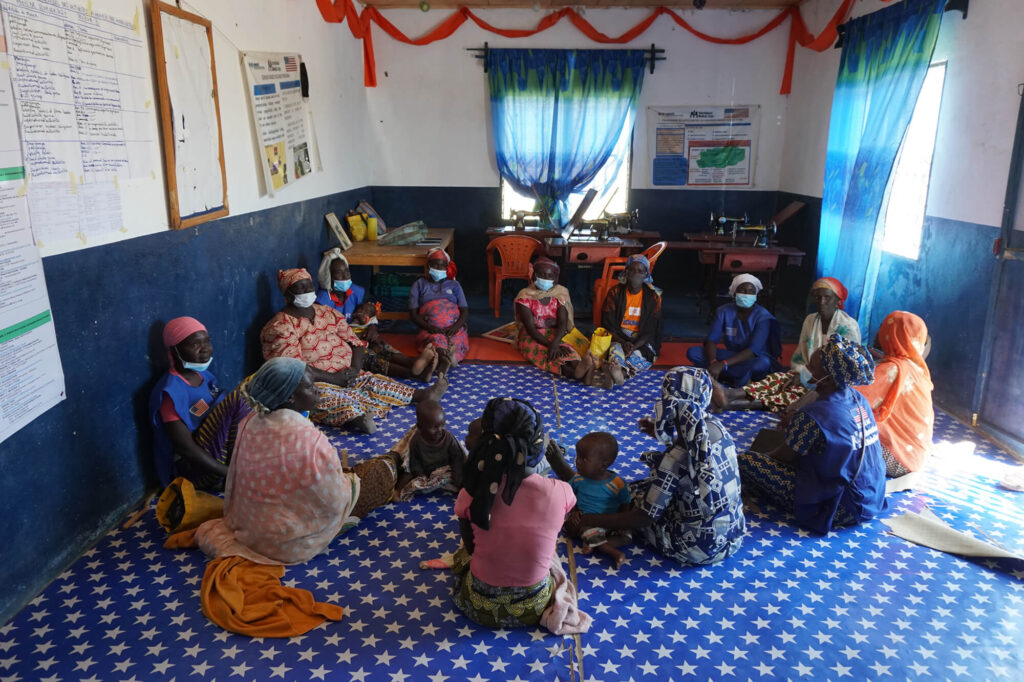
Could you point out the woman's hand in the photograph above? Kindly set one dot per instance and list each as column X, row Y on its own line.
column 573, row 525
column 715, row 368
column 646, row 425
column 345, row 377
column 452, row 330
column 794, row 381
column 556, row 352
column 627, row 349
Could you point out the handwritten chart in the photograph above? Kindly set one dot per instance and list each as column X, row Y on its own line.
column 31, row 378
column 80, row 82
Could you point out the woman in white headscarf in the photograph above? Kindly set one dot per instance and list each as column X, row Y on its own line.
column 749, row 333
column 336, row 288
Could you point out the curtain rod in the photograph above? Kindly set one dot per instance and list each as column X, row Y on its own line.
column 653, row 54
column 951, row 6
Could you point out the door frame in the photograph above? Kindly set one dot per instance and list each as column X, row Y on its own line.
column 1006, row 249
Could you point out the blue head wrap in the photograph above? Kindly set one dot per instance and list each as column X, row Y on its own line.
column 273, row 383
column 849, row 363
column 642, row 260
column 680, row 414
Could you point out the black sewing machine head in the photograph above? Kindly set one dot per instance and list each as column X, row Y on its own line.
column 621, row 223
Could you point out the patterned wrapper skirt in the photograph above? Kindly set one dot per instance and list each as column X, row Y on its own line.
column 497, row 607
column 377, row 478
column 538, row 354
column 438, row 479
column 636, row 362
column 370, row 394
column 774, row 391
column 216, row 435
column 442, row 313
column 775, row 481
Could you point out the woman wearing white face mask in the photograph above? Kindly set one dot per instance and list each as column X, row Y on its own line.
column 438, row 306
column 320, row 337
column 543, row 317
column 749, row 333
column 336, row 288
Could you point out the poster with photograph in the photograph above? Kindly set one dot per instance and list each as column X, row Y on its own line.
column 702, row 146
column 278, row 110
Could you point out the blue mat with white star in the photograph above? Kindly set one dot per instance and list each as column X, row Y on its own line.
column 858, row 603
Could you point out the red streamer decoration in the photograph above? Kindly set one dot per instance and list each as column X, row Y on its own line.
column 339, row 11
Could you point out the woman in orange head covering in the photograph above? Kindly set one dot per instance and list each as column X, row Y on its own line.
column 901, row 394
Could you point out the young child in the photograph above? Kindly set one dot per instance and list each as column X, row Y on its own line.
column 382, row 357
column 433, row 456
column 598, row 490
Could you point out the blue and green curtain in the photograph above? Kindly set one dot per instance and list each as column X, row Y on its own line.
column 557, row 116
column 885, row 58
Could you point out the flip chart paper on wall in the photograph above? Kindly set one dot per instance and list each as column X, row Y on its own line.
column 284, row 140
column 702, row 146
column 31, row 376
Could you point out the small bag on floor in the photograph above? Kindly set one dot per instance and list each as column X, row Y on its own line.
column 576, row 339
column 182, row 507
column 600, row 342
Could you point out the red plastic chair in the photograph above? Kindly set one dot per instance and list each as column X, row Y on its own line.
column 610, row 275
column 515, row 253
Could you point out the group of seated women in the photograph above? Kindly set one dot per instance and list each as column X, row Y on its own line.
column 847, row 423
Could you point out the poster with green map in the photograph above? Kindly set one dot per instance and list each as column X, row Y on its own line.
column 703, row 146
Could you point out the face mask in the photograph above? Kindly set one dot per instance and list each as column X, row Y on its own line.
column 342, row 284
column 812, row 383
column 305, row 413
column 194, row 366
column 304, row 300
column 544, row 284
column 437, row 275
column 636, row 281
column 746, row 300
column 805, row 378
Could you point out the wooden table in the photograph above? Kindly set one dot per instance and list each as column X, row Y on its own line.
column 376, row 255
column 590, row 251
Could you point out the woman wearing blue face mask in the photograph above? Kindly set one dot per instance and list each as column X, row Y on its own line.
column 194, row 420
column 336, row 287
column 438, row 306
column 749, row 333
column 543, row 317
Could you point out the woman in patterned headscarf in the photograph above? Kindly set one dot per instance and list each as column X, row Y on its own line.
column 901, row 394
column 690, row 508
column 829, row 471
column 319, row 336
column 506, row 570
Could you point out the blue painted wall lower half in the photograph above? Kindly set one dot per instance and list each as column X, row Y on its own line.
column 70, row 474
column 948, row 286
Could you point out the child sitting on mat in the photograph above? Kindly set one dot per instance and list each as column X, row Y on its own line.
column 598, row 490
column 432, row 455
column 383, row 358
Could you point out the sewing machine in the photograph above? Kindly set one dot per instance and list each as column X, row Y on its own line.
column 622, row 223
column 741, row 225
column 521, row 219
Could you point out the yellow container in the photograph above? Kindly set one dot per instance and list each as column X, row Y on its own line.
column 357, row 227
column 371, row 229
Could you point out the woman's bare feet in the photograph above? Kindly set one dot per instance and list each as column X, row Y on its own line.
column 433, row 392
column 446, row 360
column 585, row 365
column 427, row 355
column 363, row 423
column 615, row 369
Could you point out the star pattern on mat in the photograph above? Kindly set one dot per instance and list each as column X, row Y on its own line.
column 855, row 604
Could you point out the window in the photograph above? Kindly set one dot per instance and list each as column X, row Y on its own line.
column 907, row 193
column 611, row 182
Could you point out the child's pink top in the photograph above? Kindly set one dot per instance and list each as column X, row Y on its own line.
column 517, row 550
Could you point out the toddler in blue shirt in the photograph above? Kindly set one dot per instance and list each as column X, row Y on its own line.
column 598, row 490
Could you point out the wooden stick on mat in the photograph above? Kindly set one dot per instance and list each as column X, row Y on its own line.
column 134, row 518
column 344, row 459
column 577, row 645
column 558, row 415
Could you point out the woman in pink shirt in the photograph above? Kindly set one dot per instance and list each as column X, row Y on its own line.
column 507, row 573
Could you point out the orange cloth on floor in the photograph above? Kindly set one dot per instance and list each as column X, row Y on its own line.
column 248, row 598
column 184, row 539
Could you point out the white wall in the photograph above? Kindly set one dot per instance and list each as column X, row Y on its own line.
column 985, row 62
column 430, row 117
column 334, row 62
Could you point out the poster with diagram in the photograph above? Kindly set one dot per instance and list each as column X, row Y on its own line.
column 282, row 128
column 702, row 146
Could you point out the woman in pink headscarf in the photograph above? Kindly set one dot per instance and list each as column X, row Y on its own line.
column 438, row 307
column 194, row 419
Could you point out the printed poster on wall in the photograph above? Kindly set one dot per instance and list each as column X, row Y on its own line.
column 31, row 376
column 702, row 146
column 282, row 130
